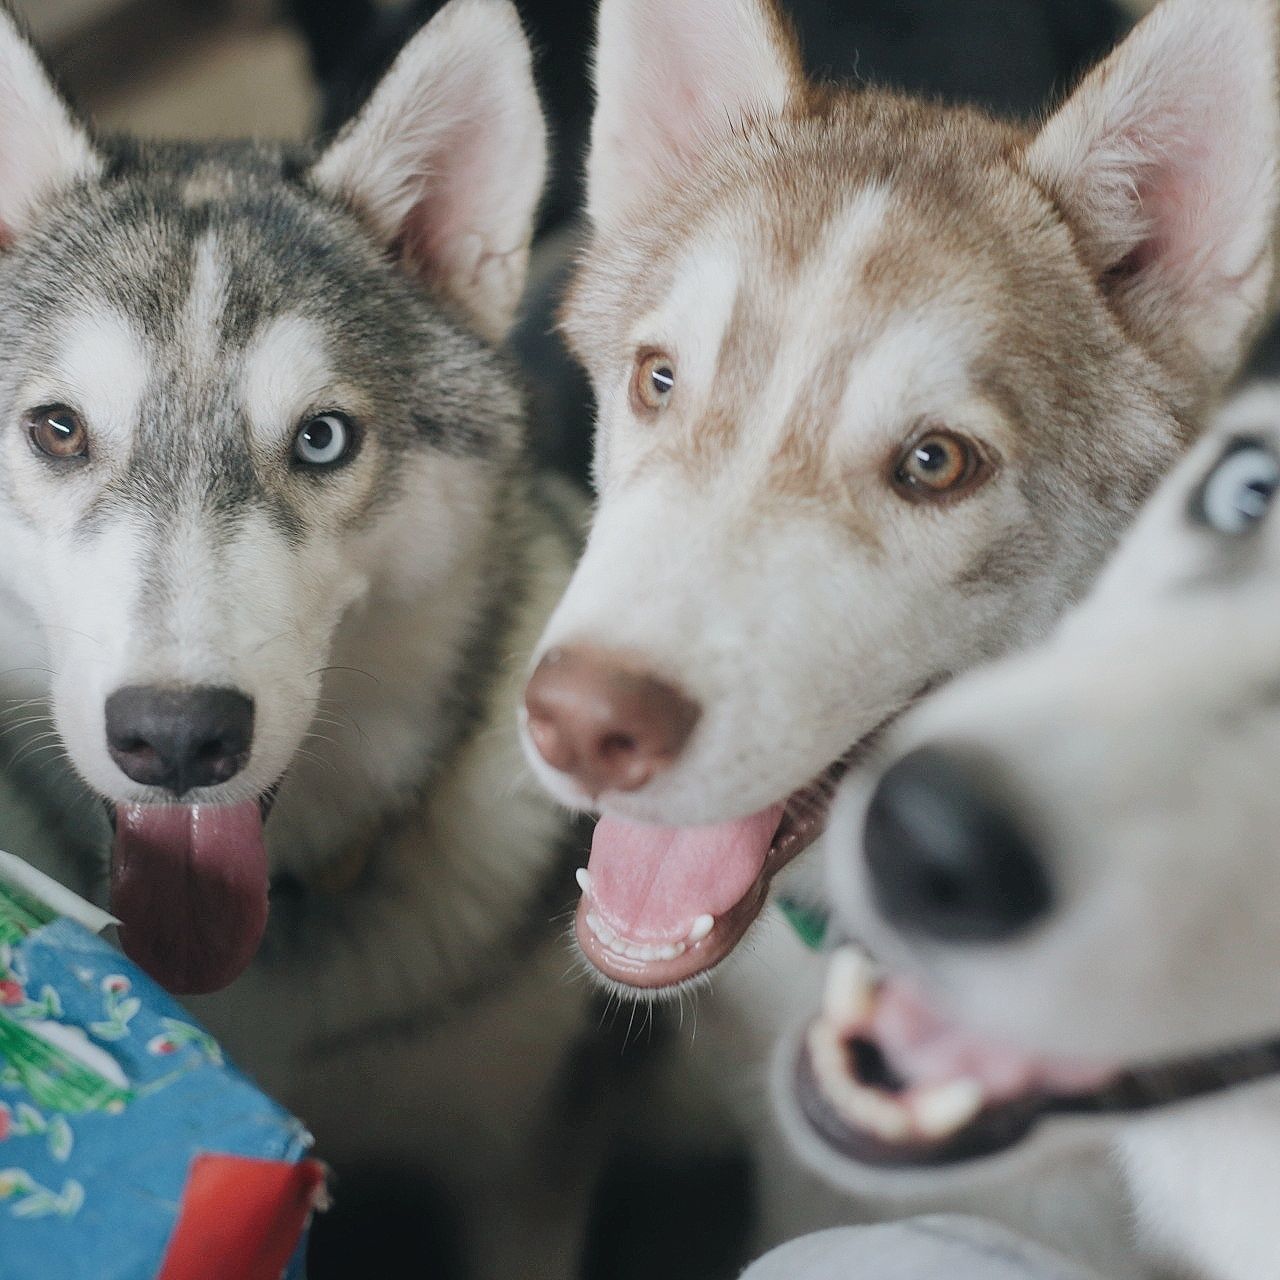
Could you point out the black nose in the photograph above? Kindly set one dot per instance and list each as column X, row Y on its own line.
column 947, row 859
column 179, row 738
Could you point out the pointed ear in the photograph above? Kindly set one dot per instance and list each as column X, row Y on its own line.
column 1165, row 161
column 41, row 148
column 447, row 161
column 674, row 77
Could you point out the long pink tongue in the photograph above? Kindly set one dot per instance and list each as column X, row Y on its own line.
column 651, row 883
column 189, row 884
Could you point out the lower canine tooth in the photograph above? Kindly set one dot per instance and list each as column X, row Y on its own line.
column 584, row 880
column 947, row 1108
column 885, row 1116
column 701, row 929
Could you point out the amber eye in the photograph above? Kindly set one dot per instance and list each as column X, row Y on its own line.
column 58, row 433
column 654, row 382
column 938, row 465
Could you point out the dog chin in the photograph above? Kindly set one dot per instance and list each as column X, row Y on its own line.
column 879, row 1083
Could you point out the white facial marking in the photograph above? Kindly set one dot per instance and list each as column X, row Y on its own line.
column 206, row 302
column 916, row 366
column 858, row 390
column 286, row 373
column 101, row 371
column 693, row 320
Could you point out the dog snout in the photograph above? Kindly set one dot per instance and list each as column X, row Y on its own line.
column 948, row 859
column 598, row 718
column 179, row 739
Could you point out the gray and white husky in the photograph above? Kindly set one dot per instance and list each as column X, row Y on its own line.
column 267, row 525
column 880, row 382
column 1067, row 865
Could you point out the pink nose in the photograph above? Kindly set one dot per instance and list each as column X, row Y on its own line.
column 608, row 725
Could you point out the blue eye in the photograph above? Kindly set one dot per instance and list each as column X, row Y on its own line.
column 1238, row 493
column 324, row 441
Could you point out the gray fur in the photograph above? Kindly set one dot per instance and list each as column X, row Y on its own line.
column 378, row 612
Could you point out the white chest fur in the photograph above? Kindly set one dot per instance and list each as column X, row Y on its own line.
column 1205, row 1183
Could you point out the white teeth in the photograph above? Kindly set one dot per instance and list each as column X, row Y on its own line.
column 884, row 1115
column 584, row 881
column 643, row 952
column 849, row 998
column 946, row 1108
column 702, row 927
column 933, row 1113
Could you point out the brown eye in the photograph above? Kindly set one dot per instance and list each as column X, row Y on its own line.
column 653, row 383
column 938, row 465
column 58, row 433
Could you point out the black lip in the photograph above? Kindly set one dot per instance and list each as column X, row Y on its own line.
column 808, row 809
column 266, row 803
column 805, row 817
column 999, row 1128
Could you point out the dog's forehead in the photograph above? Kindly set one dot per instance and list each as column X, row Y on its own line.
column 860, row 320
column 177, row 235
column 184, row 284
column 207, row 335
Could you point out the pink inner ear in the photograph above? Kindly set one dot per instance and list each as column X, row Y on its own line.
column 454, row 192
column 1186, row 228
column 1188, row 194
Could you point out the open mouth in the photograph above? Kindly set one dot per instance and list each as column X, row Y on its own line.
column 189, row 885
column 884, row 1081
column 662, row 905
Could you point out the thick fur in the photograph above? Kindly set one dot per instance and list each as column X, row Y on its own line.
column 1138, row 746
column 194, row 305
column 834, row 271
column 831, row 272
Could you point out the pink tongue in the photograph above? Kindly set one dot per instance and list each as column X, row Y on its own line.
column 189, row 884
column 929, row 1051
column 651, row 883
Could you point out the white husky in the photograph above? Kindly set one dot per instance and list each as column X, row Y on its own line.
column 1069, row 866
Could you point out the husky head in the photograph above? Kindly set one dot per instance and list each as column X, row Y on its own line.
column 249, row 406
column 1067, row 862
column 879, row 383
